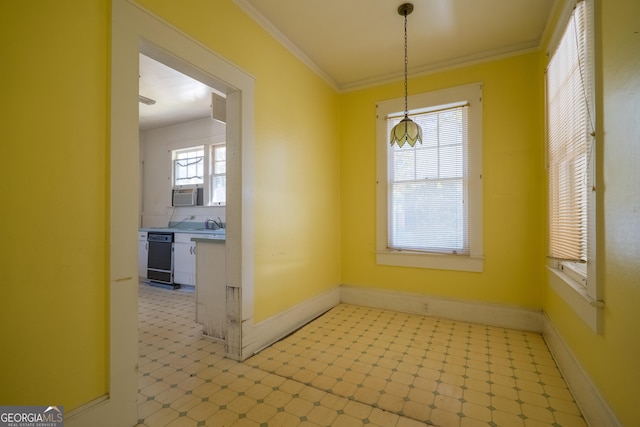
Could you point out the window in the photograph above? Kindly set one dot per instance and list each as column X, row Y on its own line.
column 429, row 196
column 202, row 166
column 570, row 147
column 219, row 174
column 188, row 166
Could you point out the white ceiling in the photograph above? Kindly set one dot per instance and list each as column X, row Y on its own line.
column 179, row 98
column 361, row 42
column 358, row 43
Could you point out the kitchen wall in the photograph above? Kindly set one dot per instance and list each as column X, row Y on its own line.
column 155, row 164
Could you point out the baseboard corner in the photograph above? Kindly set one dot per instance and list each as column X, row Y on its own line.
column 592, row 404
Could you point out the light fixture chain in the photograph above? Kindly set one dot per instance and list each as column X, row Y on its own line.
column 406, row 66
column 406, row 131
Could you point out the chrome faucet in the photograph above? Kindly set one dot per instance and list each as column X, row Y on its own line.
column 212, row 224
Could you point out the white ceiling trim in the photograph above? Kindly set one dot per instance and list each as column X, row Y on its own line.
column 284, row 40
column 444, row 66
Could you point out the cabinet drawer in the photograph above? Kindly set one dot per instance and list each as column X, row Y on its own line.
column 183, row 237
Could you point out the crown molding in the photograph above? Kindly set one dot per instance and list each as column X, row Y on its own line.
column 253, row 13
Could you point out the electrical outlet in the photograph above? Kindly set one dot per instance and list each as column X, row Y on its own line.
column 425, row 307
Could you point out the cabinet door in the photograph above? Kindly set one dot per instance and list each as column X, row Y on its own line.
column 143, row 252
column 184, row 260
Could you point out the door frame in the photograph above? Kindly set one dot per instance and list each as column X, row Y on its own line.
column 134, row 31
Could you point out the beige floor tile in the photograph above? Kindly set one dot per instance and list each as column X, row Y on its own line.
column 203, row 410
column 441, row 417
column 537, row 413
column 476, row 411
column 533, row 398
column 183, row 421
column 161, row 417
column 501, row 418
column 569, row 420
column 299, row 407
column 222, row 418
column 479, row 398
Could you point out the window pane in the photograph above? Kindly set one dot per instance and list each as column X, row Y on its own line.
column 219, row 189
column 404, row 164
column 429, row 125
column 220, row 168
column 426, row 186
column 220, row 153
column 428, row 215
column 188, row 166
column 427, row 163
column 219, row 180
column 451, row 161
column 189, row 171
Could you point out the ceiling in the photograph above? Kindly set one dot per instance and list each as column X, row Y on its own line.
column 359, row 43
column 179, row 98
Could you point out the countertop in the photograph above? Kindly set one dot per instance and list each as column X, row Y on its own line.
column 212, row 238
column 203, row 234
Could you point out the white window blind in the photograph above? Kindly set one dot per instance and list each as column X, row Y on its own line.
column 427, row 185
column 569, row 141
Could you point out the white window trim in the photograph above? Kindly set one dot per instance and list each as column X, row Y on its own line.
column 474, row 261
column 585, row 301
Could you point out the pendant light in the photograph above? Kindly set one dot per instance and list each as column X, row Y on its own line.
column 407, row 130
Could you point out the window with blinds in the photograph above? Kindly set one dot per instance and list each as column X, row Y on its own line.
column 429, row 197
column 570, row 142
column 427, row 184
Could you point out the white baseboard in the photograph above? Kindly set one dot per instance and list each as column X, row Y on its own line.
column 594, row 408
column 468, row 311
column 282, row 324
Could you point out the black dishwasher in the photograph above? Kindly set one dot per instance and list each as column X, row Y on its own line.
column 160, row 258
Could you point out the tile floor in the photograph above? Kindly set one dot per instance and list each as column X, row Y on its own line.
column 353, row 366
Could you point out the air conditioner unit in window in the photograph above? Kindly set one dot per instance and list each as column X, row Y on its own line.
column 184, row 197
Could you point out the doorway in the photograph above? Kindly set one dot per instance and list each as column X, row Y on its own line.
column 134, row 31
column 181, row 125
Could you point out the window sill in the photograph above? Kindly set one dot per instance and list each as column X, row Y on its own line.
column 575, row 295
column 434, row 261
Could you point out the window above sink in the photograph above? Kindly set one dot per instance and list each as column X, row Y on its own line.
column 201, row 166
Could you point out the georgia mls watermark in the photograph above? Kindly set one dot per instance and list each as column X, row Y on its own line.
column 31, row 416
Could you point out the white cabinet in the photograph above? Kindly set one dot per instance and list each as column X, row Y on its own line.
column 184, row 259
column 143, row 251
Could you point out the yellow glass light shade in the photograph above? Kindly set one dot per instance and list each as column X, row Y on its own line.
column 406, row 131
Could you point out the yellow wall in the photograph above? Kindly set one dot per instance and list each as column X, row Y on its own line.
column 315, row 191
column 611, row 359
column 512, row 187
column 54, row 260
column 297, row 221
